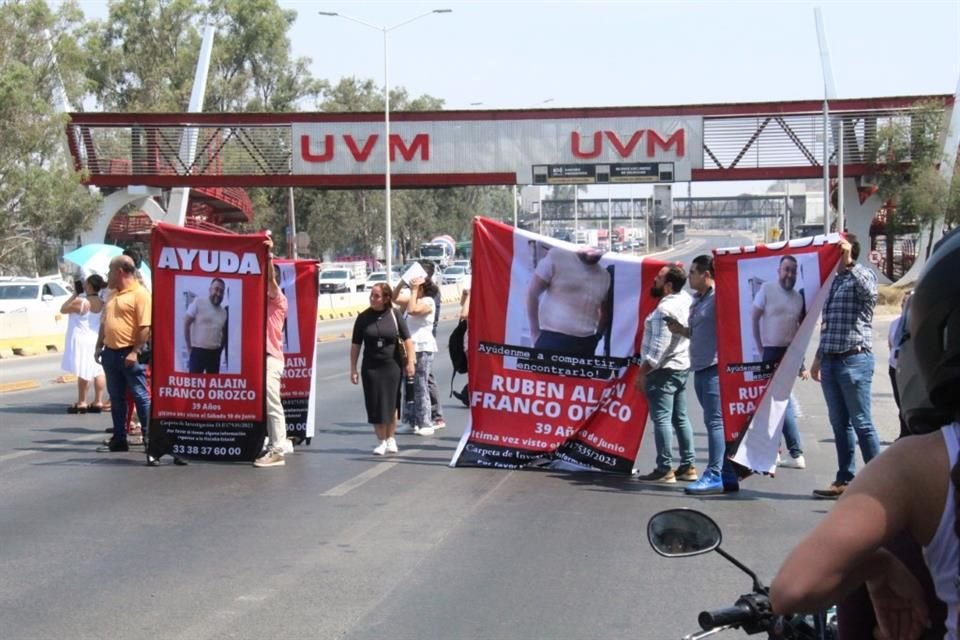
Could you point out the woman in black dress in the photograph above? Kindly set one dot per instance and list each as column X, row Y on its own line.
column 378, row 329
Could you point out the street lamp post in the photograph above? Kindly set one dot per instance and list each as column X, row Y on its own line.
column 388, row 234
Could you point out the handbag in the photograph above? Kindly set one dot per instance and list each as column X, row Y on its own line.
column 401, row 348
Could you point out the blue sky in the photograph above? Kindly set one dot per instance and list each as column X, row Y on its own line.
column 582, row 54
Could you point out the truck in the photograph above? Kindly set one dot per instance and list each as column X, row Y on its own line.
column 343, row 277
column 440, row 251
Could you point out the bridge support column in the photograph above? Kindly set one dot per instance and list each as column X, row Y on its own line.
column 142, row 197
column 858, row 218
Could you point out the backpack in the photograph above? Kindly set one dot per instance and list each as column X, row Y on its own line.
column 456, row 346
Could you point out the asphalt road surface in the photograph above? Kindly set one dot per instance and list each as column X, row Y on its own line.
column 342, row 544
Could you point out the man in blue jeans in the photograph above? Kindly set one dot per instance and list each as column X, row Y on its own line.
column 844, row 364
column 702, row 332
column 662, row 377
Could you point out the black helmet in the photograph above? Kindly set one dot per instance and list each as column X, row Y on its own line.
column 934, row 320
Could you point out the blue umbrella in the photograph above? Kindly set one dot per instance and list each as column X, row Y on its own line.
column 93, row 258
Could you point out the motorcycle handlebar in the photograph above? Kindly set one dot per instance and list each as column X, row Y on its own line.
column 736, row 615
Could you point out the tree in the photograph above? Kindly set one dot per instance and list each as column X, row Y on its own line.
column 42, row 201
column 906, row 155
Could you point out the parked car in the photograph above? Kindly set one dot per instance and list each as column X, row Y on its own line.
column 378, row 277
column 339, row 281
column 453, row 275
column 31, row 294
column 462, row 263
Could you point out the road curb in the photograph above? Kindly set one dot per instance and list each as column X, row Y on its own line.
column 19, row 385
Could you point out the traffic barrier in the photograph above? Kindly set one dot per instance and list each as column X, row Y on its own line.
column 32, row 332
column 335, row 306
column 35, row 332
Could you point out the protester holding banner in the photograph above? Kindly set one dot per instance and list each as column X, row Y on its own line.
column 702, row 332
column 379, row 330
column 664, row 369
column 778, row 310
column 436, row 412
column 124, row 330
column 844, row 364
column 276, row 317
column 420, row 311
column 567, row 302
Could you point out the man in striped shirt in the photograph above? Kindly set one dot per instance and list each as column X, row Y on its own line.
column 844, row 364
column 664, row 369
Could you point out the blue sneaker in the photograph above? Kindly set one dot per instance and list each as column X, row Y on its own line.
column 709, row 484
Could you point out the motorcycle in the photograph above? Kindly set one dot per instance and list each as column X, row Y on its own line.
column 679, row 533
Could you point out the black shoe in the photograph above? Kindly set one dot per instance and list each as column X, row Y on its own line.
column 462, row 397
column 180, row 462
column 113, row 446
column 152, row 462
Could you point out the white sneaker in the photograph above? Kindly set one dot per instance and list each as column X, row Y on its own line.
column 424, row 431
column 793, row 463
column 779, row 460
column 439, row 423
column 381, row 448
column 392, row 445
column 287, row 446
column 404, row 428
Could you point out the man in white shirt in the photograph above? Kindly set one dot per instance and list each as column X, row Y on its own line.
column 664, row 369
column 777, row 312
column 567, row 301
column 203, row 330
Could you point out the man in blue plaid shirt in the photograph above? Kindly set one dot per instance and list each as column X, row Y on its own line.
column 844, row 364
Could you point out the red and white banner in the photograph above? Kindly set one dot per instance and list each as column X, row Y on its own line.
column 769, row 299
column 551, row 335
column 298, row 281
column 209, row 344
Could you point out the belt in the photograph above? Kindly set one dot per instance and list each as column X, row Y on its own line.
column 851, row 352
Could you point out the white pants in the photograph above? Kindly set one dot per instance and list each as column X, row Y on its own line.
column 276, row 422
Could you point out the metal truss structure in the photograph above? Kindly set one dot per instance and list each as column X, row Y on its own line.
column 756, row 141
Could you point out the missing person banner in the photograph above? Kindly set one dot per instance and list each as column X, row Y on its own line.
column 298, row 282
column 552, row 331
column 769, row 299
column 209, row 344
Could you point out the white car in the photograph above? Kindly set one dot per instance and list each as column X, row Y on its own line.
column 462, row 263
column 31, row 294
column 378, row 277
column 454, row 275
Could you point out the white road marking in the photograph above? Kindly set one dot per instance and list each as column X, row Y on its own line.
column 361, row 479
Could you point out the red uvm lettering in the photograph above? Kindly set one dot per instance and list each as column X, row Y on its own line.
column 360, row 155
column 309, row 156
column 676, row 142
column 624, row 151
column 420, row 141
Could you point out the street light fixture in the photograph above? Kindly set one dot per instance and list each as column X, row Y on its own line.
column 386, row 116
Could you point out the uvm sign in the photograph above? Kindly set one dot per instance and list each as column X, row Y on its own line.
column 464, row 147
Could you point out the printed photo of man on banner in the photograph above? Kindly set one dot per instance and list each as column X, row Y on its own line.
column 769, row 300
column 298, row 282
column 551, row 372
column 209, row 292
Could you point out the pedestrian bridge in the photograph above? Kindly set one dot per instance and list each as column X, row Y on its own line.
column 750, row 141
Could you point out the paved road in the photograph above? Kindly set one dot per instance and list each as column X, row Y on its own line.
column 339, row 544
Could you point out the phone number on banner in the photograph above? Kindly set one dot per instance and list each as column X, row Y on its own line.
column 196, row 450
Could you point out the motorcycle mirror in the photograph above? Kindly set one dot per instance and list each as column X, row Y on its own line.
column 677, row 533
